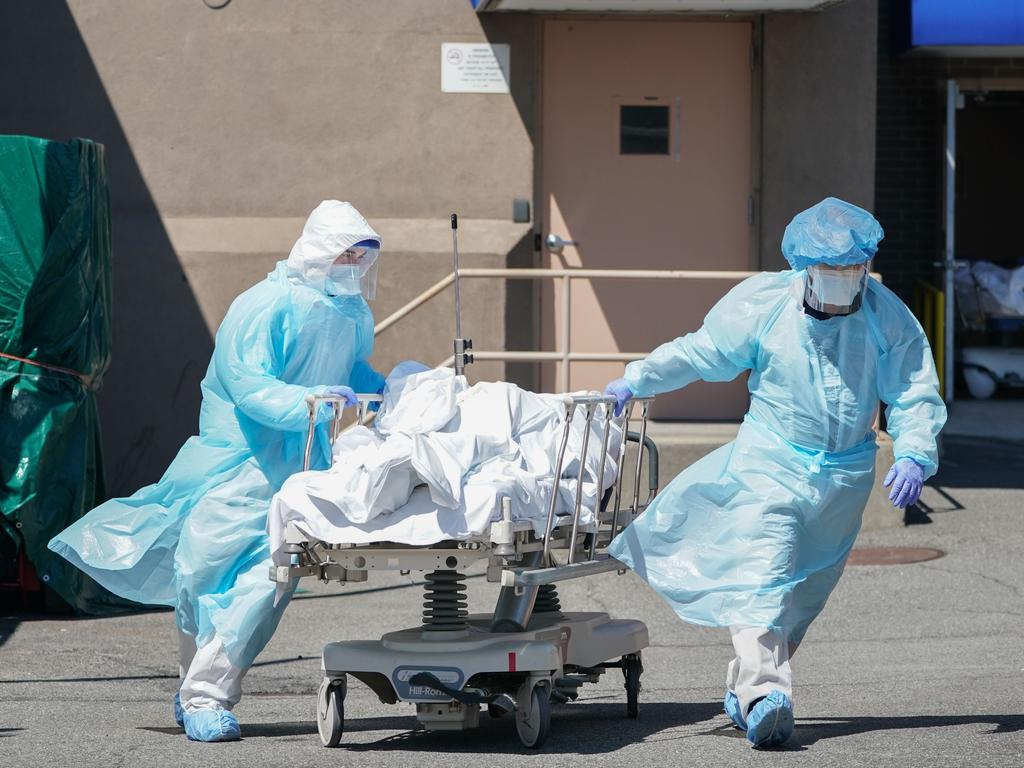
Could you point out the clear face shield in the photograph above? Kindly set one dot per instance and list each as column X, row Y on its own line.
column 354, row 272
column 835, row 290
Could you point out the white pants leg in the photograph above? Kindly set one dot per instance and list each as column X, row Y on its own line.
column 186, row 652
column 212, row 681
column 760, row 667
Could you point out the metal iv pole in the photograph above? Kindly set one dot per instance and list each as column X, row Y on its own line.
column 462, row 346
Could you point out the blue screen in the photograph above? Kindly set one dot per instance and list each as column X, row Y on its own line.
column 967, row 22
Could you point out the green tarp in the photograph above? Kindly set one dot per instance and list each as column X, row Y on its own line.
column 55, row 274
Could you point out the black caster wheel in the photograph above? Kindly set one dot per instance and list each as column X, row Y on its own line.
column 632, row 668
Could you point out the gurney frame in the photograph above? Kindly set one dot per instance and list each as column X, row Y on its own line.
column 528, row 653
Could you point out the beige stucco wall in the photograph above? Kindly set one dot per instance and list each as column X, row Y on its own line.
column 265, row 108
column 818, row 119
column 225, row 128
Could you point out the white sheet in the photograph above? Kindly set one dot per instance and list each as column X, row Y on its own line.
column 1002, row 289
column 437, row 463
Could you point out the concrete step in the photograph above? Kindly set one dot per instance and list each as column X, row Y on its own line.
column 680, row 444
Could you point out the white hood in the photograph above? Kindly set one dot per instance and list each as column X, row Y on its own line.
column 332, row 227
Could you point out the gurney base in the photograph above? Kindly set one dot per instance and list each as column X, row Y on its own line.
column 549, row 661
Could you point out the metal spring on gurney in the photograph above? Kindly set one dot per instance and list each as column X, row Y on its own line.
column 444, row 602
column 547, row 600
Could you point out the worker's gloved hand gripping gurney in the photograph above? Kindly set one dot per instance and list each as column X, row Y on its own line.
column 449, row 476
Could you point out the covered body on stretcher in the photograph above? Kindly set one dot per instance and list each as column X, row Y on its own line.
column 452, row 467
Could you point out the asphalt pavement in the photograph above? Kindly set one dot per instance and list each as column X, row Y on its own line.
column 909, row 665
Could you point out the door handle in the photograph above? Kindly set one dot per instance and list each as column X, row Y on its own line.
column 556, row 244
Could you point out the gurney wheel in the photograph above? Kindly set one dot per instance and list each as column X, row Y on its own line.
column 533, row 716
column 632, row 668
column 330, row 711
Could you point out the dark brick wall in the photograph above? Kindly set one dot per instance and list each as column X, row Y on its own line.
column 908, row 170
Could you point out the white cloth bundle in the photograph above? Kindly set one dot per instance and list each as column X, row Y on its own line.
column 437, row 462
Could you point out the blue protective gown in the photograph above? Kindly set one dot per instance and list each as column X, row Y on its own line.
column 757, row 532
column 196, row 540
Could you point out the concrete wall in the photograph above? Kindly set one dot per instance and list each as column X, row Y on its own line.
column 225, row 128
column 818, row 120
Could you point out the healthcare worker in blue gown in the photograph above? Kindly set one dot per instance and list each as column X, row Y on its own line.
column 197, row 539
column 755, row 535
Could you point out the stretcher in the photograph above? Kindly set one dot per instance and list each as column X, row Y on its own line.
column 525, row 655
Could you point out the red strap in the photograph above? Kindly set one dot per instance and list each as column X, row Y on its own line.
column 80, row 376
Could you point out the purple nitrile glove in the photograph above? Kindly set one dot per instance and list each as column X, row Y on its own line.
column 346, row 392
column 622, row 393
column 906, row 477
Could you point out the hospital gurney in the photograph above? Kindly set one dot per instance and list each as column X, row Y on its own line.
column 525, row 655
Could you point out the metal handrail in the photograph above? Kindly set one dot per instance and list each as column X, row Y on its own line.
column 565, row 355
column 419, row 301
column 532, row 273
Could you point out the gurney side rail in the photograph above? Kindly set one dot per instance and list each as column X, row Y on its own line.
column 510, row 542
column 313, row 403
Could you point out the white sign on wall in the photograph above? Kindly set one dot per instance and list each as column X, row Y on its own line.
column 474, row 68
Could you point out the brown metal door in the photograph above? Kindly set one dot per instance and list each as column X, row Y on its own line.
column 646, row 164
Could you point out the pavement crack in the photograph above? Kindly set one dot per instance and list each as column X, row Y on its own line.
column 985, row 577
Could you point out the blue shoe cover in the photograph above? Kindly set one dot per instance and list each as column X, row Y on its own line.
column 770, row 720
column 732, row 709
column 179, row 713
column 212, row 725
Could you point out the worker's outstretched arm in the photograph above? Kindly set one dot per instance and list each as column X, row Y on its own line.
column 720, row 350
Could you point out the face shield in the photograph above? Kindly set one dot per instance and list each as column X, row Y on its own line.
column 354, row 272
column 835, row 290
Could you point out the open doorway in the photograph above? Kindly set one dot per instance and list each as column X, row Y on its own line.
column 988, row 203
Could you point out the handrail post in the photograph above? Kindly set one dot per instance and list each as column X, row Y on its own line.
column 566, row 328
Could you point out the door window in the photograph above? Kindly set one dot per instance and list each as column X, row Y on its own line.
column 643, row 129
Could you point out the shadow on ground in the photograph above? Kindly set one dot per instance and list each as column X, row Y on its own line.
column 808, row 733
column 975, row 462
column 150, row 676
column 575, row 729
column 811, row 732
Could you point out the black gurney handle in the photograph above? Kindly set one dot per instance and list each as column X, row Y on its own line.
column 652, row 467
